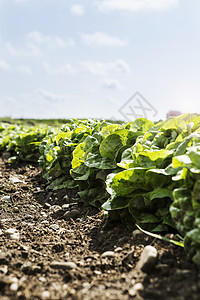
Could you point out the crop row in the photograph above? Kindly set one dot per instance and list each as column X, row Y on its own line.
column 141, row 172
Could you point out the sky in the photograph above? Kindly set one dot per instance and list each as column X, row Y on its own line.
column 110, row 59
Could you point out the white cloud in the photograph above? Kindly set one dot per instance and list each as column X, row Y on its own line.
column 100, row 68
column 36, row 43
column 23, row 69
column 112, row 84
column 136, row 5
column 66, row 68
column 77, row 9
column 4, row 66
column 102, row 39
column 52, row 42
column 29, row 50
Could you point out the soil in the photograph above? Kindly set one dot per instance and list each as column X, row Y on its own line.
column 52, row 249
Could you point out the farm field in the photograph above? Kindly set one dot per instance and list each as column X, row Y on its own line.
column 49, row 257
column 56, row 241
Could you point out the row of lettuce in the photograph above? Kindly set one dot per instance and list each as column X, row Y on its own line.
column 141, row 172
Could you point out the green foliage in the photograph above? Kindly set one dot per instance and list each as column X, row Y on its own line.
column 140, row 172
column 185, row 209
column 22, row 140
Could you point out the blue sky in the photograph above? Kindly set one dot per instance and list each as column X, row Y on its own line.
column 63, row 59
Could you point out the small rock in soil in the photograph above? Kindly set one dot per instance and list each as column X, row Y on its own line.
column 14, row 179
column 108, row 254
column 54, row 227
column 47, row 205
column 45, row 222
column 79, row 220
column 14, row 287
column 136, row 288
column 6, row 198
column 15, row 209
column 45, row 295
column 118, row 249
column 28, row 217
column 148, row 259
column 55, row 208
column 4, row 220
column 96, row 272
column 13, row 233
column 63, row 265
column 3, row 270
column 35, row 269
column 65, row 206
column 73, row 214
column 43, row 214
column 71, row 205
column 42, row 279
